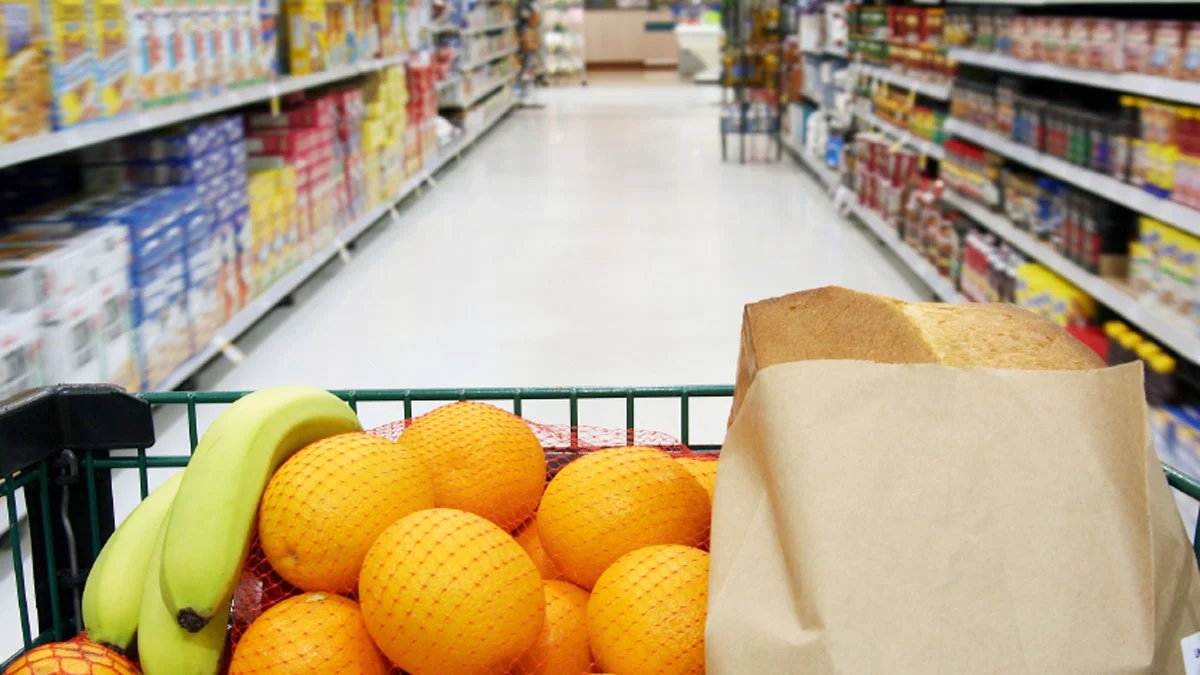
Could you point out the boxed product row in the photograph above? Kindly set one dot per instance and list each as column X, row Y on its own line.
column 905, row 38
column 1165, row 267
column 69, row 62
column 1168, row 48
column 897, row 23
column 324, row 34
column 1150, row 144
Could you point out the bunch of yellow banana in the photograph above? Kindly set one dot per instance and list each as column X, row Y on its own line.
column 168, row 573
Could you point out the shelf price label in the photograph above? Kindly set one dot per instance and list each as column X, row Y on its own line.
column 343, row 251
column 229, row 350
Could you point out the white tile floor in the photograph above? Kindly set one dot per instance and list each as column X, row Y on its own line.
column 599, row 240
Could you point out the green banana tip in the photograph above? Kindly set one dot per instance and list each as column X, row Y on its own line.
column 190, row 620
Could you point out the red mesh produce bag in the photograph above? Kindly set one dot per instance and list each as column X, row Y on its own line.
column 624, row 512
column 77, row 655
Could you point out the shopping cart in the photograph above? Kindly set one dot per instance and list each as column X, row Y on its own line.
column 59, row 447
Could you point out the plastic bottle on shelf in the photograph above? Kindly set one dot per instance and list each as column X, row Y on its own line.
column 1160, row 379
column 1125, row 131
column 1113, row 330
column 1129, row 342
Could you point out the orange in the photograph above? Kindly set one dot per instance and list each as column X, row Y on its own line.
column 608, row 503
column 73, row 656
column 529, row 540
column 704, row 471
column 325, row 506
column 646, row 614
column 446, row 591
column 562, row 646
column 484, row 460
column 310, row 633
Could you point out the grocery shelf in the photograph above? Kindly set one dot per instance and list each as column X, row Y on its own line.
column 1180, row 216
column 928, row 147
column 57, row 142
column 1146, row 85
column 489, row 58
column 938, row 91
column 1156, row 321
column 265, row 302
column 487, row 29
column 919, row 266
column 827, row 177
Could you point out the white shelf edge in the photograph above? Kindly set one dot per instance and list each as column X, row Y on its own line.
column 938, row 91
column 488, row 59
column 826, row 176
column 264, row 303
column 1157, row 322
column 484, row 92
column 926, row 272
column 487, row 29
column 57, row 142
column 928, row 147
column 1180, row 216
column 1135, row 83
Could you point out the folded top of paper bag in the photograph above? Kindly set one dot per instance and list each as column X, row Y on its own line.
column 838, row 323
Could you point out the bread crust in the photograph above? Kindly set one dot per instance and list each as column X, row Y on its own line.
column 838, row 323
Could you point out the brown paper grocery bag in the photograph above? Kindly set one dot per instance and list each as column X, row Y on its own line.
column 881, row 519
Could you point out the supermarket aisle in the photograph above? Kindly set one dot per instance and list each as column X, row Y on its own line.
column 599, row 240
column 530, row 262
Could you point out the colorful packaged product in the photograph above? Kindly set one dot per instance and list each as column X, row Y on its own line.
column 71, row 61
column 115, row 81
column 25, row 98
column 307, row 36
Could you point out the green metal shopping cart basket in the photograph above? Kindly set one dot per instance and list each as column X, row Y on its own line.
column 59, row 447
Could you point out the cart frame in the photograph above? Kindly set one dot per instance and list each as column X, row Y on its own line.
column 56, row 446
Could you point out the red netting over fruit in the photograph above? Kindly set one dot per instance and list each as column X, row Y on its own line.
column 77, row 655
column 470, row 540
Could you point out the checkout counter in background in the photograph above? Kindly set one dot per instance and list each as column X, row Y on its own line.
column 640, row 34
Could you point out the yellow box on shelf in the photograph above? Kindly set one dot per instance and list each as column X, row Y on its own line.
column 72, row 61
column 24, row 77
column 1043, row 292
column 307, row 36
column 115, row 82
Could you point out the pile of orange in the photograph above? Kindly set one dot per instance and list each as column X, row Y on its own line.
column 448, row 551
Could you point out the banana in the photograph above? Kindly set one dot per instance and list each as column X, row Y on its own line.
column 209, row 529
column 110, row 602
column 163, row 647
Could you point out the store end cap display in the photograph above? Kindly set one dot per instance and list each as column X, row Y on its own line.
column 992, row 506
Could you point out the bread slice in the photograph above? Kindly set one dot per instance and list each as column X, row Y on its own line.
column 838, row 323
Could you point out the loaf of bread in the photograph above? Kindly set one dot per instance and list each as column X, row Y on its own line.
column 838, row 323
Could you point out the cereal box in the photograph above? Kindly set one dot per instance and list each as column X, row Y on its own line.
column 267, row 60
column 114, row 75
column 190, row 54
column 164, row 55
column 24, row 78
column 71, row 60
column 337, row 33
column 21, row 362
column 306, row 36
column 208, row 58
